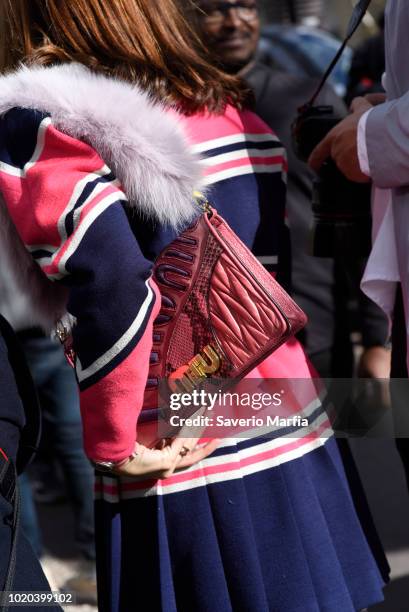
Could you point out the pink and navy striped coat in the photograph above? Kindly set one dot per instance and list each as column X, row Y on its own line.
column 81, row 153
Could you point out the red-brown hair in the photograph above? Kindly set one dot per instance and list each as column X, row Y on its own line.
column 148, row 42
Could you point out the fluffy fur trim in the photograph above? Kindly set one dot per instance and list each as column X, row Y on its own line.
column 142, row 144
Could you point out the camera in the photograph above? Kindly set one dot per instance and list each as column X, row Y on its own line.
column 341, row 208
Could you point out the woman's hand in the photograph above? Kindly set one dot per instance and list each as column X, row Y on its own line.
column 175, row 454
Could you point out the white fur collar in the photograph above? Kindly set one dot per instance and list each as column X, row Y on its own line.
column 138, row 140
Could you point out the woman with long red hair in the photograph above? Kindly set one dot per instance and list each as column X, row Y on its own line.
column 97, row 178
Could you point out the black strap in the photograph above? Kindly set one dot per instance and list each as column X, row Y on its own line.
column 358, row 14
column 7, row 478
column 30, row 434
column 9, row 490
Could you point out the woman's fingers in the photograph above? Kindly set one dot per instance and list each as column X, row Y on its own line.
column 197, row 454
column 161, row 463
column 151, row 462
column 181, row 448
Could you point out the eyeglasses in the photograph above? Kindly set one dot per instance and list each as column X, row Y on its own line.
column 215, row 14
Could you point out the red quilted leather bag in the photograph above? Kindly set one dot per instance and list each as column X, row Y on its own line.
column 222, row 313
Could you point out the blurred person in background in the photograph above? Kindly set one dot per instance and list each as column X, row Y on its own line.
column 220, row 525
column 61, row 441
column 323, row 287
column 230, row 32
column 368, row 65
column 371, row 144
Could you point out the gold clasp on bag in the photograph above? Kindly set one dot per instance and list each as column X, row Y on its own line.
column 207, row 362
column 202, row 366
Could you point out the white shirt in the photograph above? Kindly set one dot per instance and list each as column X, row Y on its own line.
column 382, row 271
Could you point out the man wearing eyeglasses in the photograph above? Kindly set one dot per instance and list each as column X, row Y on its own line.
column 230, row 31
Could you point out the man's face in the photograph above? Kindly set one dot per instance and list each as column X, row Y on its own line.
column 231, row 30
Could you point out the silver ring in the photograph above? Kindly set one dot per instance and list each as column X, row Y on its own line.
column 184, row 451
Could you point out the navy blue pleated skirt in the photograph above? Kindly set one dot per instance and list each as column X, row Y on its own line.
column 259, row 526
